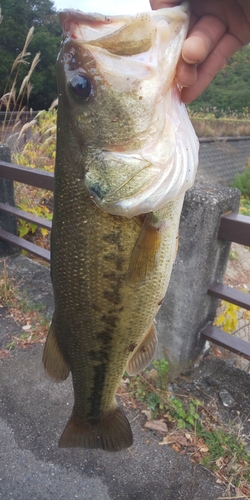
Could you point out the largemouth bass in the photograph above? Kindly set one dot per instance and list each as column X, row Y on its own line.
column 126, row 153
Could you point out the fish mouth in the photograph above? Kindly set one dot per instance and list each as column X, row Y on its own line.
column 88, row 26
column 91, row 27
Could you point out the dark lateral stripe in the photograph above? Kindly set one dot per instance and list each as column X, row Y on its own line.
column 31, row 176
column 229, row 294
column 223, row 339
column 97, row 390
column 235, row 227
column 34, row 219
column 25, row 245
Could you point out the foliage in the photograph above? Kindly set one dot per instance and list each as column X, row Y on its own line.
column 162, row 368
column 152, row 391
column 190, row 427
column 245, row 206
column 40, row 151
column 186, row 416
column 18, row 17
column 228, row 319
column 37, row 153
column 31, row 318
column 6, row 286
column 226, row 452
column 25, row 227
column 230, row 90
column 242, row 182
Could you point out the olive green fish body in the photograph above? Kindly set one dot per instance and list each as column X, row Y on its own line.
column 114, row 233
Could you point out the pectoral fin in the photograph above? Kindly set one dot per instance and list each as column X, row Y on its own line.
column 144, row 255
column 144, row 353
column 53, row 360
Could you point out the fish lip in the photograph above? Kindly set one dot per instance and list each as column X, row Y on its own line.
column 69, row 15
column 66, row 16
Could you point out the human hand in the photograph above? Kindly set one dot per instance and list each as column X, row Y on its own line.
column 217, row 29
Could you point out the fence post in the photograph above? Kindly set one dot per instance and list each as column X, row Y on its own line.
column 201, row 260
column 7, row 222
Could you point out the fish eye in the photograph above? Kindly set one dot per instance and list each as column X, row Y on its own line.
column 81, row 86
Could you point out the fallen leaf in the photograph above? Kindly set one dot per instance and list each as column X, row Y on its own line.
column 26, row 327
column 4, row 354
column 156, row 425
column 204, row 449
column 218, row 353
column 245, row 490
column 183, row 441
column 176, row 447
column 168, row 440
column 220, row 462
column 147, row 413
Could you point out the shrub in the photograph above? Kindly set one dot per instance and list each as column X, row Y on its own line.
column 242, row 182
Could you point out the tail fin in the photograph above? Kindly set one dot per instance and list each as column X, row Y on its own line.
column 111, row 432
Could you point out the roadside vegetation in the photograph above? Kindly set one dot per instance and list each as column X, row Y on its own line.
column 190, row 427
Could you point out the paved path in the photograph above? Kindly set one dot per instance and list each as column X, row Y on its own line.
column 33, row 413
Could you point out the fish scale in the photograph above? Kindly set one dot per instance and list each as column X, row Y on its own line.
column 114, row 229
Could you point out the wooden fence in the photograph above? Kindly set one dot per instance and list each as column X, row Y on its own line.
column 233, row 227
column 32, row 177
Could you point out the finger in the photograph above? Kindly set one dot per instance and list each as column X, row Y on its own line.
column 186, row 74
column 226, row 47
column 202, row 39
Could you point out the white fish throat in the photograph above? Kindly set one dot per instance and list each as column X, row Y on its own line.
column 161, row 164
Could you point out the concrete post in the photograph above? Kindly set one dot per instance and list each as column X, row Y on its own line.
column 201, row 260
column 7, row 222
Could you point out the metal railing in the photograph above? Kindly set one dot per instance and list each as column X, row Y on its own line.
column 234, row 228
column 32, row 177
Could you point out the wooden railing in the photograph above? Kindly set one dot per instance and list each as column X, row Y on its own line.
column 32, row 177
column 234, row 228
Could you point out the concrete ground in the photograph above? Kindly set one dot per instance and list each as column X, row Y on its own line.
column 34, row 411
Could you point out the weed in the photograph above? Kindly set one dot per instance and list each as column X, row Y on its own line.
column 242, row 182
column 245, row 206
column 162, row 368
column 186, row 417
column 233, row 254
column 13, row 98
column 30, row 317
column 191, row 423
column 6, row 286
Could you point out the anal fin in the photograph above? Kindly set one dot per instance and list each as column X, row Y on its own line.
column 144, row 353
column 110, row 432
column 53, row 360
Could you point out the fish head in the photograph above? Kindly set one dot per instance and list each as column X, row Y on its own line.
column 115, row 80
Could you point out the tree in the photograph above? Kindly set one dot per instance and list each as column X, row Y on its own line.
column 18, row 17
column 230, row 89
